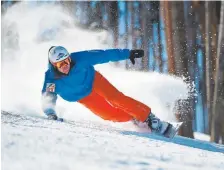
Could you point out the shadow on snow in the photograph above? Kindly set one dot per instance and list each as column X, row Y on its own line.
column 194, row 143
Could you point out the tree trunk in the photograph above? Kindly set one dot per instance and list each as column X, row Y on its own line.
column 160, row 59
column 113, row 20
column 165, row 8
column 145, row 37
column 184, row 113
column 130, row 31
column 179, row 39
column 126, row 25
column 134, row 36
column 219, row 78
column 181, row 63
column 192, row 64
column 209, row 79
column 155, row 19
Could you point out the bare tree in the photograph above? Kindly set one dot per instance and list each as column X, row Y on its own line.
column 144, row 7
column 219, row 79
column 208, row 9
column 179, row 38
column 181, row 62
column 113, row 19
column 165, row 8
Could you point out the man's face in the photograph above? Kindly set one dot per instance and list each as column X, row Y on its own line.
column 64, row 66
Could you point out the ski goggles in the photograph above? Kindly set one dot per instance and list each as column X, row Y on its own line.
column 59, row 64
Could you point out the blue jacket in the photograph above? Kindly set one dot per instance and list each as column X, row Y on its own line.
column 78, row 83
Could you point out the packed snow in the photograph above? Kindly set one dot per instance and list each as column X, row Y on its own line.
column 85, row 141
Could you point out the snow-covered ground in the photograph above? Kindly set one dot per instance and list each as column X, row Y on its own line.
column 34, row 143
column 88, row 142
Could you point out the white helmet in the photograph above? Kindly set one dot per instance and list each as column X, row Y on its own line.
column 57, row 53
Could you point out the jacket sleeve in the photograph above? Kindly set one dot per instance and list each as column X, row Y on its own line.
column 93, row 57
column 49, row 97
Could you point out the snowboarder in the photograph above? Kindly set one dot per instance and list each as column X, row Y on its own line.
column 73, row 77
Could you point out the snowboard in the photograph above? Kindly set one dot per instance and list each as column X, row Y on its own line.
column 172, row 130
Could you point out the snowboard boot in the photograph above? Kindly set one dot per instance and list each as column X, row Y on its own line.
column 158, row 126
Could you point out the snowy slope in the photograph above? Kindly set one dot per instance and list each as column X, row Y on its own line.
column 89, row 142
column 34, row 143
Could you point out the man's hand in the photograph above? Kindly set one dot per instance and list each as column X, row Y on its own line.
column 54, row 117
column 136, row 54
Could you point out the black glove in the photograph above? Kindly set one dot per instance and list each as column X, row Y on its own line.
column 54, row 117
column 136, row 54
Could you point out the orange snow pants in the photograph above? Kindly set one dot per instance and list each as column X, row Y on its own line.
column 110, row 104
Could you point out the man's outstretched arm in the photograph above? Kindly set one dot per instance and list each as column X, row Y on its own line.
column 48, row 102
column 49, row 98
column 93, row 57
